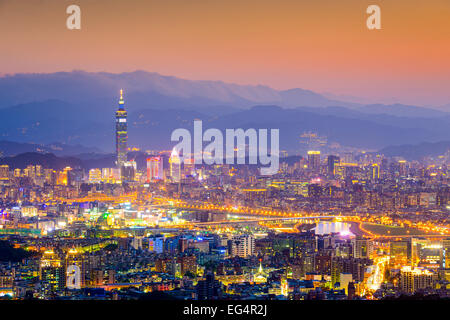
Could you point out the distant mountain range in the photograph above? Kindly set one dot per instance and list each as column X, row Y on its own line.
column 417, row 151
column 149, row 90
column 9, row 148
column 48, row 160
column 146, row 90
column 76, row 110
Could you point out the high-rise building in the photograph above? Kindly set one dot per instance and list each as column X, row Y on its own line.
column 155, row 169
column 351, row 290
column 31, row 171
column 188, row 264
column 95, row 176
column 402, row 168
column 110, row 175
column 175, row 166
column 189, row 167
column 314, row 160
column 50, row 176
column 362, row 248
column 331, row 163
column 62, row 177
column 375, row 172
column 75, row 269
column 242, row 246
column 355, row 266
column 335, row 270
column 52, row 272
column 156, row 244
column 128, row 171
column 209, row 289
column 17, row 173
column 38, row 170
column 4, row 172
column 348, row 157
column 399, row 253
column 344, row 280
column 413, row 279
column 121, row 133
column 445, row 254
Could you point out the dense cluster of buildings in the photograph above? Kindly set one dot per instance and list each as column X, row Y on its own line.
column 350, row 225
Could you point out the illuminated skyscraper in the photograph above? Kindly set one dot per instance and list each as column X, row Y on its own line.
column 75, row 269
column 189, row 167
column 331, row 163
column 445, row 260
column 242, row 246
column 121, row 133
column 175, row 166
column 154, row 168
column 413, row 279
column 314, row 161
column 399, row 253
column 128, row 171
column 110, row 175
column 362, row 248
column 402, row 169
column 375, row 172
column 95, row 176
column 4, row 172
column 52, row 272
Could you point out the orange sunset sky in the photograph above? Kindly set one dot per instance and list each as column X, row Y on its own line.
column 321, row 45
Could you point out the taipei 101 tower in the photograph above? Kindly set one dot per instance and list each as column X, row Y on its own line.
column 121, row 133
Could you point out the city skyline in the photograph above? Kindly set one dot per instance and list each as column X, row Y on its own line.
column 327, row 226
column 120, row 182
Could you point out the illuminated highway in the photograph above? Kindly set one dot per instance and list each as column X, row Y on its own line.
column 161, row 201
column 377, row 277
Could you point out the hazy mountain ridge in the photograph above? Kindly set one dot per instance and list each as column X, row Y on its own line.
column 417, row 151
column 152, row 128
column 47, row 160
column 11, row 148
column 77, row 108
column 151, row 90
column 80, row 87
